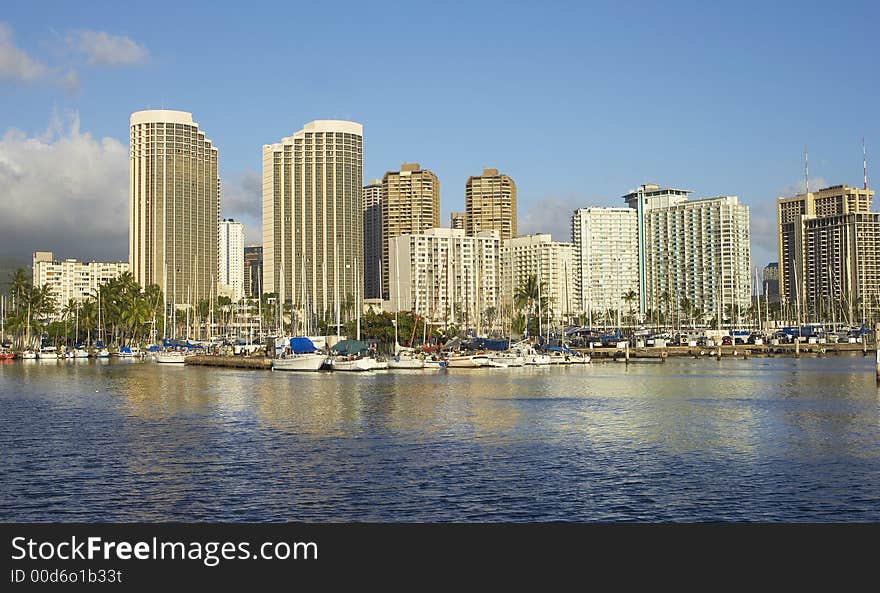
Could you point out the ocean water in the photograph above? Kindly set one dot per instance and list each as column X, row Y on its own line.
column 765, row 439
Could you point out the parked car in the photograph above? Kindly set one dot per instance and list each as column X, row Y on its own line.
column 726, row 341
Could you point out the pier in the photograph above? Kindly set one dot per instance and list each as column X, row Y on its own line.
column 739, row 350
column 231, row 362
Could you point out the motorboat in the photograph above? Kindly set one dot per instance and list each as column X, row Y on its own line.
column 6, row 355
column 28, row 355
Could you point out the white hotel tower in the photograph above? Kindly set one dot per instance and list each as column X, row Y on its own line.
column 231, row 259
column 313, row 222
column 446, row 276
column 174, row 205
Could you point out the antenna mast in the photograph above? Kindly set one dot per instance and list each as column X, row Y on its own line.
column 806, row 170
column 865, row 162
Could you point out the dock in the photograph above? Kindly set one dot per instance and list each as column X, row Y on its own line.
column 736, row 351
column 231, row 362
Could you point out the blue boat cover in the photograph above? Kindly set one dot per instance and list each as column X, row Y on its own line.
column 302, row 345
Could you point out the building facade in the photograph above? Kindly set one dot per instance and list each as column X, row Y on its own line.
column 606, row 259
column 373, row 240
column 698, row 250
column 446, row 276
column 842, row 268
column 823, row 237
column 770, row 275
column 253, row 271
column 490, row 204
column 551, row 262
column 230, row 257
column 457, row 220
column 313, row 243
column 72, row 279
column 410, row 205
column 174, row 201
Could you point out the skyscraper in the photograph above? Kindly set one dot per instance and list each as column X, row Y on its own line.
column 253, row 271
column 549, row 261
column 174, row 205
column 829, row 254
column 692, row 249
column 490, row 204
column 231, row 258
column 446, row 276
column 313, row 244
column 456, row 220
column 410, row 205
column 373, row 240
column 606, row 259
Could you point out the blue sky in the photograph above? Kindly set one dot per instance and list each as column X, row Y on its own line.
column 578, row 102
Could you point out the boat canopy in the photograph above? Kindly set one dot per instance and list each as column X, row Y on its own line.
column 302, row 345
column 486, row 344
column 349, row 347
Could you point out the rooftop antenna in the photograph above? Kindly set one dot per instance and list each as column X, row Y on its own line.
column 865, row 162
column 806, row 169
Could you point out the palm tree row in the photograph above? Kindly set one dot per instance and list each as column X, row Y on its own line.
column 119, row 313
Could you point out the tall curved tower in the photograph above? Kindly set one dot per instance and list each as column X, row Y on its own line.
column 174, row 205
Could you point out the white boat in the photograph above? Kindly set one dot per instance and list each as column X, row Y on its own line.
column 300, row 362
column 557, row 357
column 466, row 361
column 508, row 358
column 578, row 358
column 48, row 352
column 405, row 359
column 102, row 353
column 78, row 353
column 535, row 359
column 126, row 352
column 28, row 355
column 170, row 357
column 344, row 363
column 435, row 363
column 496, row 365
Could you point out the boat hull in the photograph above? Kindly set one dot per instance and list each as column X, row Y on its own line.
column 356, row 365
column 304, row 362
column 170, row 358
column 467, row 362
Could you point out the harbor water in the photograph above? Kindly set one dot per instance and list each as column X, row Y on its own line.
column 765, row 439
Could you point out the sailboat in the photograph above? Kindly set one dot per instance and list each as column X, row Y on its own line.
column 404, row 358
column 303, row 355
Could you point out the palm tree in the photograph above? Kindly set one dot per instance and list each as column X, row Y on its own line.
column 629, row 297
column 525, row 296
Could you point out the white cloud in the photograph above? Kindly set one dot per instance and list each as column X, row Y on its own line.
column 104, row 49
column 15, row 63
column 552, row 215
column 242, row 199
column 64, row 191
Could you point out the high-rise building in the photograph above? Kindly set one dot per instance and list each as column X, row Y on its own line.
column 313, row 244
column 606, row 259
column 446, row 276
column 72, row 279
column 231, row 259
column 802, row 285
column 410, row 205
column 457, row 220
column 692, row 249
column 174, row 205
column 551, row 262
column 648, row 197
column 490, row 204
column 373, row 240
column 253, row 271
column 770, row 282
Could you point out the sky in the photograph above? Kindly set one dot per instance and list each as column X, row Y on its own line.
column 579, row 102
